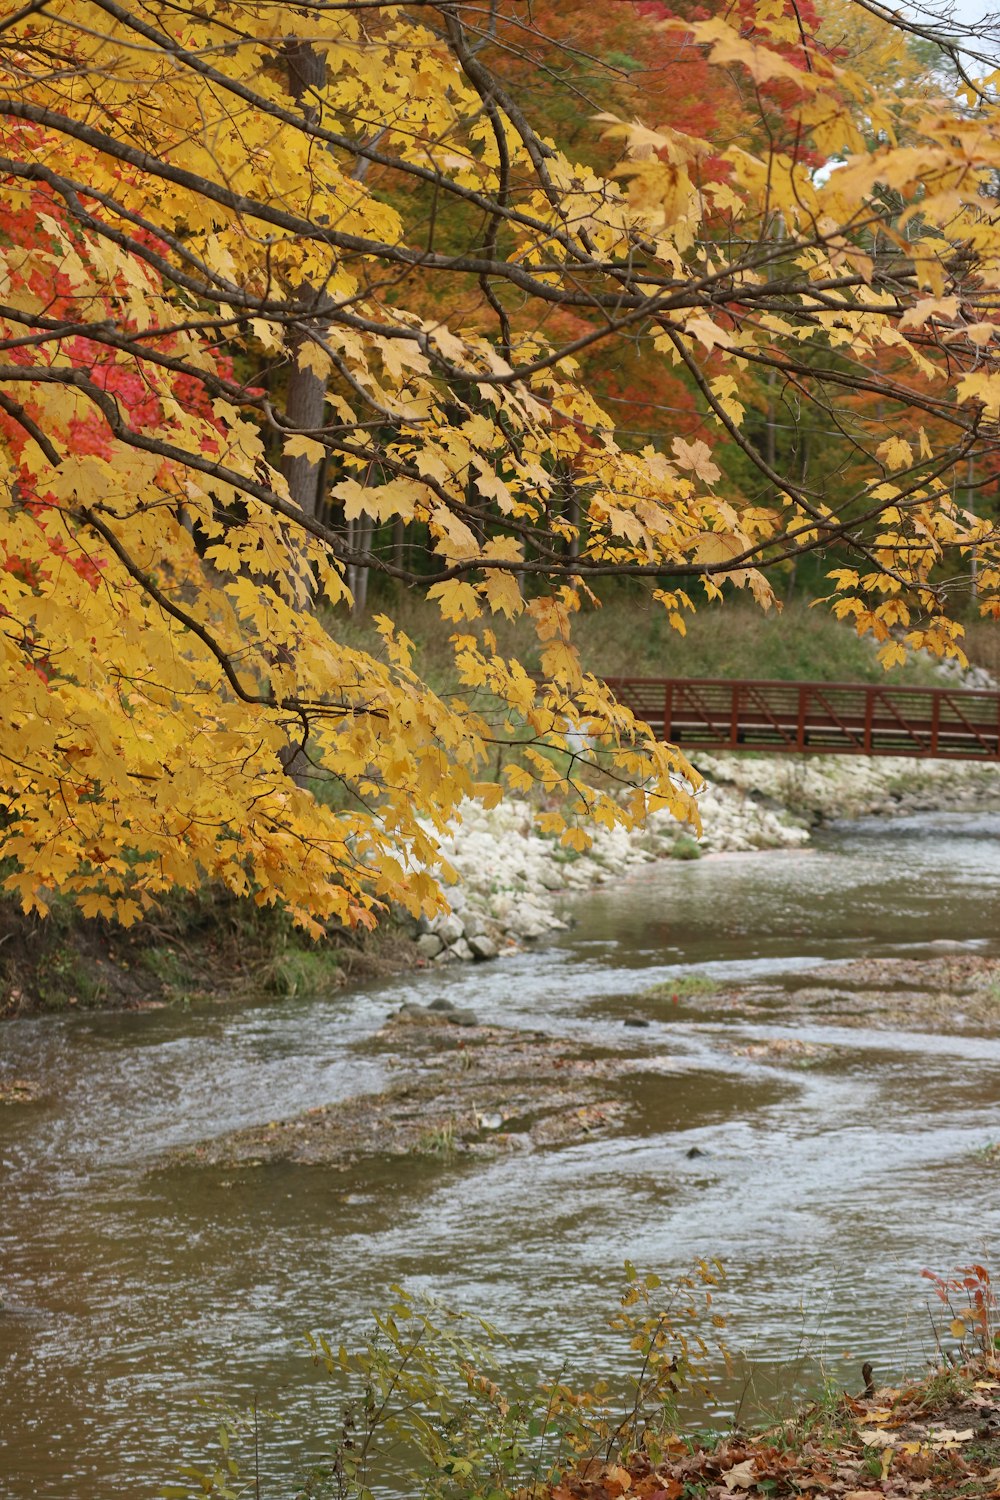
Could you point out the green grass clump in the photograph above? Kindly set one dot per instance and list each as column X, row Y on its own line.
column 684, row 988
column 439, row 1140
column 685, row 847
column 64, row 979
column 303, row 971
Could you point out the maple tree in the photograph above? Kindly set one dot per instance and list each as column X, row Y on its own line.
column 276, row 279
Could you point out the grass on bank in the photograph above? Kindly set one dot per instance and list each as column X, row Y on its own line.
column 629, row 635
column 684, row 987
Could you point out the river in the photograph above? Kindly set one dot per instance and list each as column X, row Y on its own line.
column 131, row 1289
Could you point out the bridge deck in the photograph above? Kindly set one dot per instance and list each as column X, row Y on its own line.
column 816, row 718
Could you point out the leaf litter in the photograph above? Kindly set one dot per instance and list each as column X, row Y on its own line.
column 939, row 1438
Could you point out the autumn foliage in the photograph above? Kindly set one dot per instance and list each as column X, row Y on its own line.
column 294, row 294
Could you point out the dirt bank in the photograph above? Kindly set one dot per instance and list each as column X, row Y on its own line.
column 198, row 948
column 938, row 1438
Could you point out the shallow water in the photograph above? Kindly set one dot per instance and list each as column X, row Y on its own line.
column 131, row 1290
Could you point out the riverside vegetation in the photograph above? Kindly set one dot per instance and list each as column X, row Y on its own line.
column 510, row 877
column 299, row 297
column 430, row 1407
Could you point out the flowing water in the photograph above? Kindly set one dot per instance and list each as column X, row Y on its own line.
column 131, row 1288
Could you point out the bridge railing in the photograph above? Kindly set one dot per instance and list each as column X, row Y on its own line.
column 821, row 718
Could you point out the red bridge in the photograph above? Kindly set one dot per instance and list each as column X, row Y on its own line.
column 816, row 718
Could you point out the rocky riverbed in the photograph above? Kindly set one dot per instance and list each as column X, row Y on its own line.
column 464, row 1090
column 956, row 994
column 467, row 1090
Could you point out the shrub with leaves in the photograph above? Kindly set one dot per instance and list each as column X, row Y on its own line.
column 435, row 1398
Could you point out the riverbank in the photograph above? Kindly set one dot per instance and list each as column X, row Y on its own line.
column 207, row 946
column 511, row 892
column 937, row 1436
column 512, row 881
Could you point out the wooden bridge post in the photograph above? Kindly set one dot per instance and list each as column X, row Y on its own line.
column 734, row 716
column 935, row 720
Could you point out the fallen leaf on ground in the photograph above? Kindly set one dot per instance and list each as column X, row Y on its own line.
column 740, row 1476
column 949, row 1435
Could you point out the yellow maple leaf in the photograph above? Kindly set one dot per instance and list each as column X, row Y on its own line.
column 896, row 453
column 458, row 600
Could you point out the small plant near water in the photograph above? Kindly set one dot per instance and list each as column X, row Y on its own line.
column 433, row 1407
column 236, row 1431
column 684, row 988
column 433, row 1403
column 437, row 1141
column 65, row 980
column 971, row 1303
column 667, row 1334
column 302, row 971
column 685, row 847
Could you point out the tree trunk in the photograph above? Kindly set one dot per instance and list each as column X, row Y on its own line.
column 305, row 400
column 305, row 396
column 305, row 406
column 359, row 539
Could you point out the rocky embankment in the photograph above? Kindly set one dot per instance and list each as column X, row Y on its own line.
column 512, row 879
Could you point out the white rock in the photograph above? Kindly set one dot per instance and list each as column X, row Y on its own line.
column 448, row 927
column 508, row 874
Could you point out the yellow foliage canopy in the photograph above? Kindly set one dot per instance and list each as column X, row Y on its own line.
column 222, row 229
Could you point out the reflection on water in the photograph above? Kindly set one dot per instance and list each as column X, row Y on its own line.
column 130, row 1290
